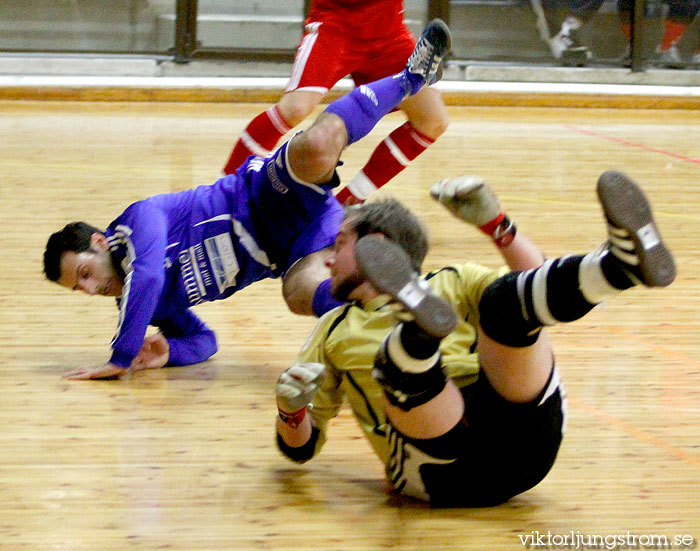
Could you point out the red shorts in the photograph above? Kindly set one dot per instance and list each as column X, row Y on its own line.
column 333, row 48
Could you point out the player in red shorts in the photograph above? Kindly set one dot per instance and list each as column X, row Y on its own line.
column 368, row 40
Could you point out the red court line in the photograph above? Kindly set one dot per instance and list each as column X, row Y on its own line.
column 630, row 429
column 660, row 350
column 632, row 144
column 640, row 434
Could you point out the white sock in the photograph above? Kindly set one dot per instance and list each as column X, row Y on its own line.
column 402, row 360
column 571, row 23
column 592, row 283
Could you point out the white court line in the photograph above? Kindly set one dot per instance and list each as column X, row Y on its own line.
column 237, row 83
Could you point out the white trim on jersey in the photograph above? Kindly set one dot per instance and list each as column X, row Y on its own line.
column 122, row 236
column 245, row 239
column 196, row 271
column 124, row 301
column 317, row 189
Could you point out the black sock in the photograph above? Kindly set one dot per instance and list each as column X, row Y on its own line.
column 409, row 380
column 416, row 342
column 514, row 307
column 614, row 272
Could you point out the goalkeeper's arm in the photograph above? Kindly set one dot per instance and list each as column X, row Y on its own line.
column 470, row 199
column 296, row 388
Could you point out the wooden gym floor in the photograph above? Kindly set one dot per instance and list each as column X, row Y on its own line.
column 184, row 458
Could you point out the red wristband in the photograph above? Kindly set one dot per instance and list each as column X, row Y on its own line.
column 491, row 227
column 501, row 229
column 292, row 420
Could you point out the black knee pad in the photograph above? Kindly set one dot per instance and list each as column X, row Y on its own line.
column 407, row 390
column 503, row 316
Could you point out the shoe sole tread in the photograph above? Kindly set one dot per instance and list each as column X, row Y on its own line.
column 389, row 269
column 627, row 207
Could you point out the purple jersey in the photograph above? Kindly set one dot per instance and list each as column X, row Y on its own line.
column 180, row 249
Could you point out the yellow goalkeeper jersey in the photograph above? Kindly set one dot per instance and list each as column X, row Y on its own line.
column 347, row 338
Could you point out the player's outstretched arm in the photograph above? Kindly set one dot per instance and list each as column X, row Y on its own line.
column 470, row 199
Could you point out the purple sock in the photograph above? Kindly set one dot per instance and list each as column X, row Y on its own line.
column 364, row 107
column 323, row 301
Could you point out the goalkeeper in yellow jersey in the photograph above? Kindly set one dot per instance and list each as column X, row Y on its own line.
column 451, row 376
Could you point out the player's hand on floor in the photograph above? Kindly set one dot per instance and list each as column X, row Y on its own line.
column 154, row 353
column 297, row 386
column 468, row 198
column 102, row 372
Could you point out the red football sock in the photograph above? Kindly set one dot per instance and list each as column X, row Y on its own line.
column 672, row 32
column 389, row 158
column 259, row 138
column 626, row 30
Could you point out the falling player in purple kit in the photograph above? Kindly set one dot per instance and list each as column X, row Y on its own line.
column 272, row 218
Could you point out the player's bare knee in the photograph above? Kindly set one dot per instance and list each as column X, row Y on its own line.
column 326, row 138
column 295, row 106
column 502, row 317
column 440, row 124
column 314, row 153
column 294, row 112
column 432, row 126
